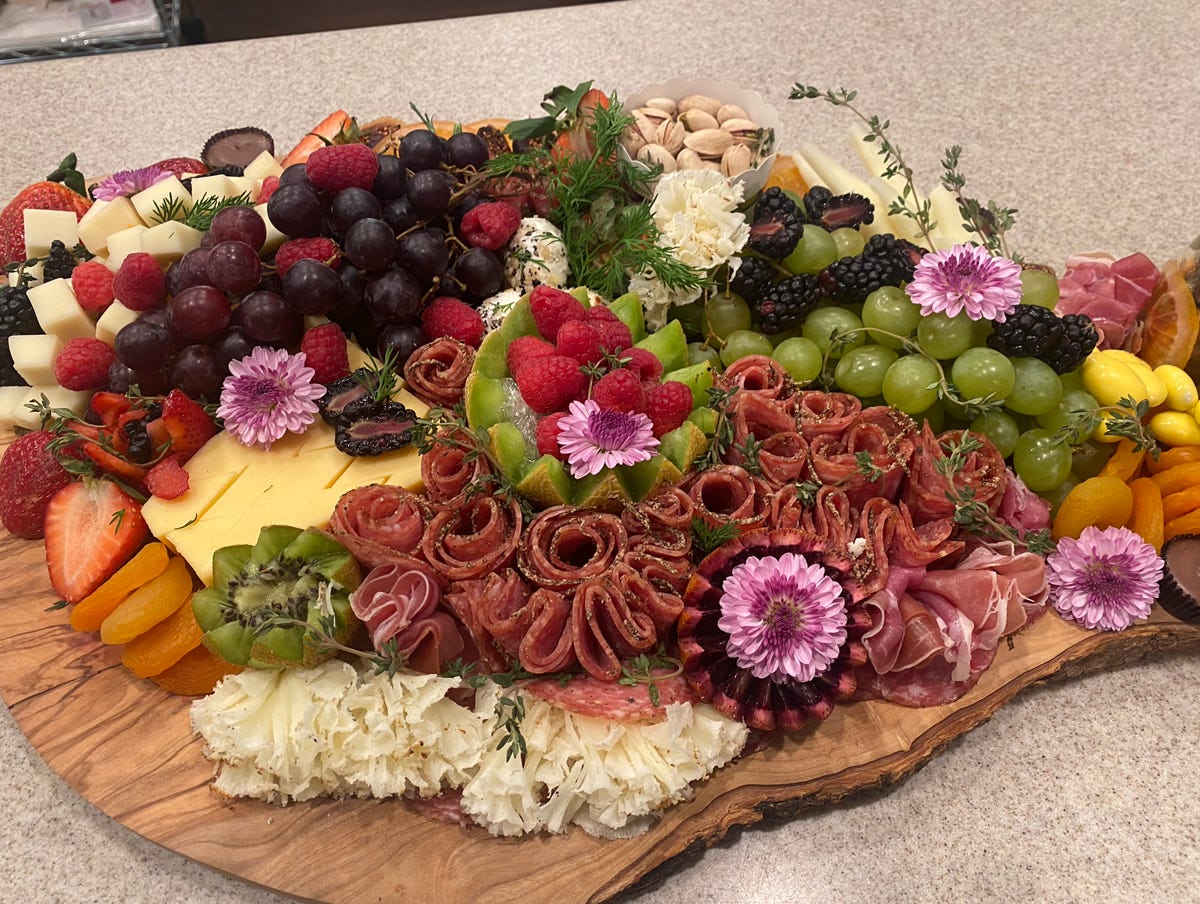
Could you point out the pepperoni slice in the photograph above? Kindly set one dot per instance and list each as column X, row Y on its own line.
column 565, row 546
column 588, row 696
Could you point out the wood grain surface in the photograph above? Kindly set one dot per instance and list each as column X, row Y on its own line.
column 125, row 745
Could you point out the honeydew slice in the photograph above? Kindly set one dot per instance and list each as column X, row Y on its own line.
column 157, row 195
column 33, row 358
column 45, row 226
column 104, row 218
column 58, row 312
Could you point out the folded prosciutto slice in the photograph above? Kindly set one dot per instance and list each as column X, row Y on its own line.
column 400, row 604
column 1111, row 292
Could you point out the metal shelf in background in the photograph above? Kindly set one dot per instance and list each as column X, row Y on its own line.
column 167, row 35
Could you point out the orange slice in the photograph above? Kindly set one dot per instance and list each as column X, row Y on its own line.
column 1171, row 322
column 196, row 674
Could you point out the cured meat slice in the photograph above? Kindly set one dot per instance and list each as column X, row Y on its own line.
column 565, row 546
column 1022, row 508
column 869, row 550
column 493, row 610
column 473, row 537
column 370, row 554
column 388, row 515
column 437, row 372
column 819, row 413
column 446, row 807
column 451, row 464
column 662, row 607
column 758, row 375
column 660, row 539
column 1112, row 293
column 981, row 472
column 401, row 605
column 758, row 416
column 782, row 458
column 605, row 627
column 587, row 696
column 917, row 546
column 728, row 494
column 548, row 645
column 884, row 436
column 667, row 507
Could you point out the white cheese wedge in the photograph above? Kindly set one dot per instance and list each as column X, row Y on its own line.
column 105, row 218
column 868, row 153
column 262, row 166
column 275, row 238
column 33, row 358
column 112, row 320
column 122, row 244
column 212, row 186
column 57, row 397
column 35, row 271
column 168, row 242
column 244, row 185
column 157, row 195
column 944, row 211
column 58, row 312
column 10, row 398
column 45, row 226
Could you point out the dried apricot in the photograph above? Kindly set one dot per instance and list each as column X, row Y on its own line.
column 149, row 563
column 1179, row 504
column 1097, row 502
column 1185, row 524
column 1146, row 519
column 1124, row 463
column 1180, row 455
column 196, row 674
column 164, row 644
column 149, row 604
column 1177, row 478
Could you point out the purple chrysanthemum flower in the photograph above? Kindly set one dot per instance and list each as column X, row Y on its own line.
column 128, row 182
column 966, row 278
column 785, row 618
column 594, row 439
column 1106, row 579
column 267, row 394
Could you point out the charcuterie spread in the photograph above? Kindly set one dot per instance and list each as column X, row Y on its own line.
column 534, row 471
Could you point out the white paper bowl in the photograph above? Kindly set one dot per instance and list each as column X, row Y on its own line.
column 767, row 117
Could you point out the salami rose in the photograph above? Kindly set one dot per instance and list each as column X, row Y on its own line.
column 451, row 465
column 757, row 416
column 782, row 458
column 982, row 472
column 667, row 507
column 494, row 613
column 728, row 494
column 437, row 372
column 472, row 538
column 387, row 515
column 884, row 437
column 758, row 375
column 819, row 413
column 606, row 626
column 548, row 645
column 565, row 546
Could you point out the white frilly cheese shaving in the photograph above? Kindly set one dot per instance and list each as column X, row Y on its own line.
column 607, row 777
column 295, row 734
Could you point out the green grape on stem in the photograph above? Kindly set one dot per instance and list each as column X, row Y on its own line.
column 1041, row 460
column 699, row 352
column 743, row 343
column 981, row 373
column 850, row 242
column 822, row 323
column 861, row 370
column 911, row 384
column 800, row 357
column 1073, row 404
column 1036, row 389
column 726, row 313
column 945, row 337
column 934, row 416
column 892, row 316
column 1058, row 495
column 1089, row 458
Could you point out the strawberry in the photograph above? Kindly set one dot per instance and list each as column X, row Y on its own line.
column 109, row 406
column 182, row 166
column 167, row 479
column 29, row 475
column 188, row 424
column 341, row 166
column 51, row 194
column 113, row 464
column 338, row 127
column 92, row 529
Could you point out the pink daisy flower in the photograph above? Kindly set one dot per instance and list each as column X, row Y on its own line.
column 1107, row 579
column 267, row 394
column 785, row 618
column 128, row 182
column 966, row 278
column 594, row 439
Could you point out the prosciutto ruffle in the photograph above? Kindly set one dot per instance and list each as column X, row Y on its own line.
column 1021, row 508
column 401, row 604
column 565, row 546
column 982, row 472
column 1111, row 292
column 819, row 413
column 728, row 494
column 758, row 375
column 473, row 537
column 450, row 465
column 437, row 372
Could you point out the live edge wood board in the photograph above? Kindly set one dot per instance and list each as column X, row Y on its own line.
column 126, row 746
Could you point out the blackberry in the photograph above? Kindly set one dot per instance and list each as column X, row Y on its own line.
column 8, row 373
column 753, row 280
column 381, row 428
column 830, row 211
column 141, row 448
column 852, row 279
column 1029, row 332
column 787, row 303
column 59, row 262
column 904, row 253
column 778, row 224
column 1079, row 337
column 16, row 313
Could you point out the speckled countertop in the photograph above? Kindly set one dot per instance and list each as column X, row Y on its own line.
column 1080, row 114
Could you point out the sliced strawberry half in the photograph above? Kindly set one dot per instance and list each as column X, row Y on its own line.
column 92, row 529
column 338, row 127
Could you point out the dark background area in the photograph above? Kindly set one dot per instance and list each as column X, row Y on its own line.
column 204, row 21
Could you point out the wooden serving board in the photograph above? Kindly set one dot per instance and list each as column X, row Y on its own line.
column 126, row 746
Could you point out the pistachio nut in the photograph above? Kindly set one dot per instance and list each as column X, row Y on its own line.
column 632, row 141
column 670, row 135
column 695, row 120
column 709, row 143
column 731, row 111
column 687, row 159
column 744, row 131
column 653, row 114
column 736, row 160
column 665, row 104
column 645, row 127
column 657, row 155
column 700, row 102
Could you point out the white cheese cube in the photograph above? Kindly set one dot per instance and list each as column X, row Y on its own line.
column 244, row 185
column 212, row 186
column 10, row 398
column 105, row 218
column 168, row 242
column 158, row 195
column 45, row 226
column 35, row 271
column 58, row 312
column 33, row 358
column 115, row 316
column 275, row 238
column 57, row 397
column 262, row 166
column 122, row 244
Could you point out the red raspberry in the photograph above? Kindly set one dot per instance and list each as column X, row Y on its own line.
column 453, row 318
column 547, row 435
column 580, row 340
column 318, row 249
column 83, row 364
column 29, row 475
column 167, row 479
column 600, row 312
column 643, row 363
column 614, row 335
column 490, row 225
column 668, row 406
column 93, row 286
column 139, row 283
column 619, row 390
column 525, row 349
column 324, row 350
column 549, row 384
column 552, row 308
column 338, row 166
column 268, row 188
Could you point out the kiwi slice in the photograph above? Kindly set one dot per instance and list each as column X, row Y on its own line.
column 266, row 597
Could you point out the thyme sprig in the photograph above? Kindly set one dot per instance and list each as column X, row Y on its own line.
column 1126, row 420
column 723, row 433
column 510, row 713
column 990, row 222
column 641, row 669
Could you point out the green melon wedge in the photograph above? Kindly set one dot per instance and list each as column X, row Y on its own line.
column 491, row 359
column 698, row 378
column 484, row 400
column 628, row 309
column 642, row 479
column 546, row 483
column 683, row 445
column 518, row 322
column 669, row 345
column 507, row 446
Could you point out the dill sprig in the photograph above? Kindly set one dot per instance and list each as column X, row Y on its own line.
column 200, row 214
column 990, row 222
column 705, row 539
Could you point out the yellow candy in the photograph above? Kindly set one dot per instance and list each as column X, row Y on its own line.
column 1156, row 387
column 1108, row 380
column 1175, row 428
column 1181, row 389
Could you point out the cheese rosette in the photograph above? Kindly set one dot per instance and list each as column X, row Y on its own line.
column 607, row 777
column 296, row 734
